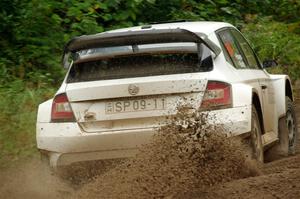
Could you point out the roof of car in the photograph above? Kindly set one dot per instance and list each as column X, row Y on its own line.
column 206, row 27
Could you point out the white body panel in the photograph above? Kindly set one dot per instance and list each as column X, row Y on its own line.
column 156, row 85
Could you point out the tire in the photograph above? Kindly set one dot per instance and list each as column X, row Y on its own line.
column 254, row 141
column 287, row 134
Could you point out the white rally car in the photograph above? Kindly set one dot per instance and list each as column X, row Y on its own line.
column 121, row 85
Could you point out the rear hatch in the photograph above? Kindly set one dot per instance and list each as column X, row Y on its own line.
column 102, row 106
column 131, row 90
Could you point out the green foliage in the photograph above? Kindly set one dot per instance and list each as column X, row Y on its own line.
column 284, row 10
column 33, row 32
column 221, row 10
column 278, row 41
column 32, row 42
column 18, row 106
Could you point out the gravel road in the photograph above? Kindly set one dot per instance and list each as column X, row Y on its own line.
column 277, row 179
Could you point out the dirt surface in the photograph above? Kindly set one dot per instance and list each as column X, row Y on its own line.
column 32, row 179
column 211, row 169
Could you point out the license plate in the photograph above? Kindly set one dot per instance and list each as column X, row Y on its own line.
column 135, row 105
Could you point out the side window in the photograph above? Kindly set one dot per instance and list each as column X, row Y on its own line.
column 248, row 52
column 233, row 50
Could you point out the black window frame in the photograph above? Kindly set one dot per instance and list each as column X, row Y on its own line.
column 228, row 57
column 255, row 56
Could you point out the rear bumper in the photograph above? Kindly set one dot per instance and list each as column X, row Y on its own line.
column 66, row 143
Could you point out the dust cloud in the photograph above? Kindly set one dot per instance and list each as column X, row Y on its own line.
column 185, row 155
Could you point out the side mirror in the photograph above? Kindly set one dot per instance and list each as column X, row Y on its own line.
column 269, row 63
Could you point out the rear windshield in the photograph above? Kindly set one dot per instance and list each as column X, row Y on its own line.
column 140, row 65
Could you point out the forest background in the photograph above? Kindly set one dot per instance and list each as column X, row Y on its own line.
column 33, row 34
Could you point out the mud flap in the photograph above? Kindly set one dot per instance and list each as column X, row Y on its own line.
column 281, row 149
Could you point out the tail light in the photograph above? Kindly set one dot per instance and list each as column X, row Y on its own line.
column 61, row 109
column 217, row 96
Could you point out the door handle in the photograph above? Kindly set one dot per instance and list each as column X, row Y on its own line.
column 264, row 87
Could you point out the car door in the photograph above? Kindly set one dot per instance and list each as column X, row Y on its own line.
column 267, row 89
column 241, row 56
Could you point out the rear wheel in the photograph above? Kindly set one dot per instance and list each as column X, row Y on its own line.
column 254, row 141
column 287, row 134
column 257, row 147
column 289, row 128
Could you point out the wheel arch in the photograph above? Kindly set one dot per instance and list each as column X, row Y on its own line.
column 288, row 89
column 282, row 87
column 257, row 104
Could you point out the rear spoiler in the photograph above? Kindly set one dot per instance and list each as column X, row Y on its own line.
column 110, row 39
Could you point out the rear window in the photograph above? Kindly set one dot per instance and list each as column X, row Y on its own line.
column 141, row 65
